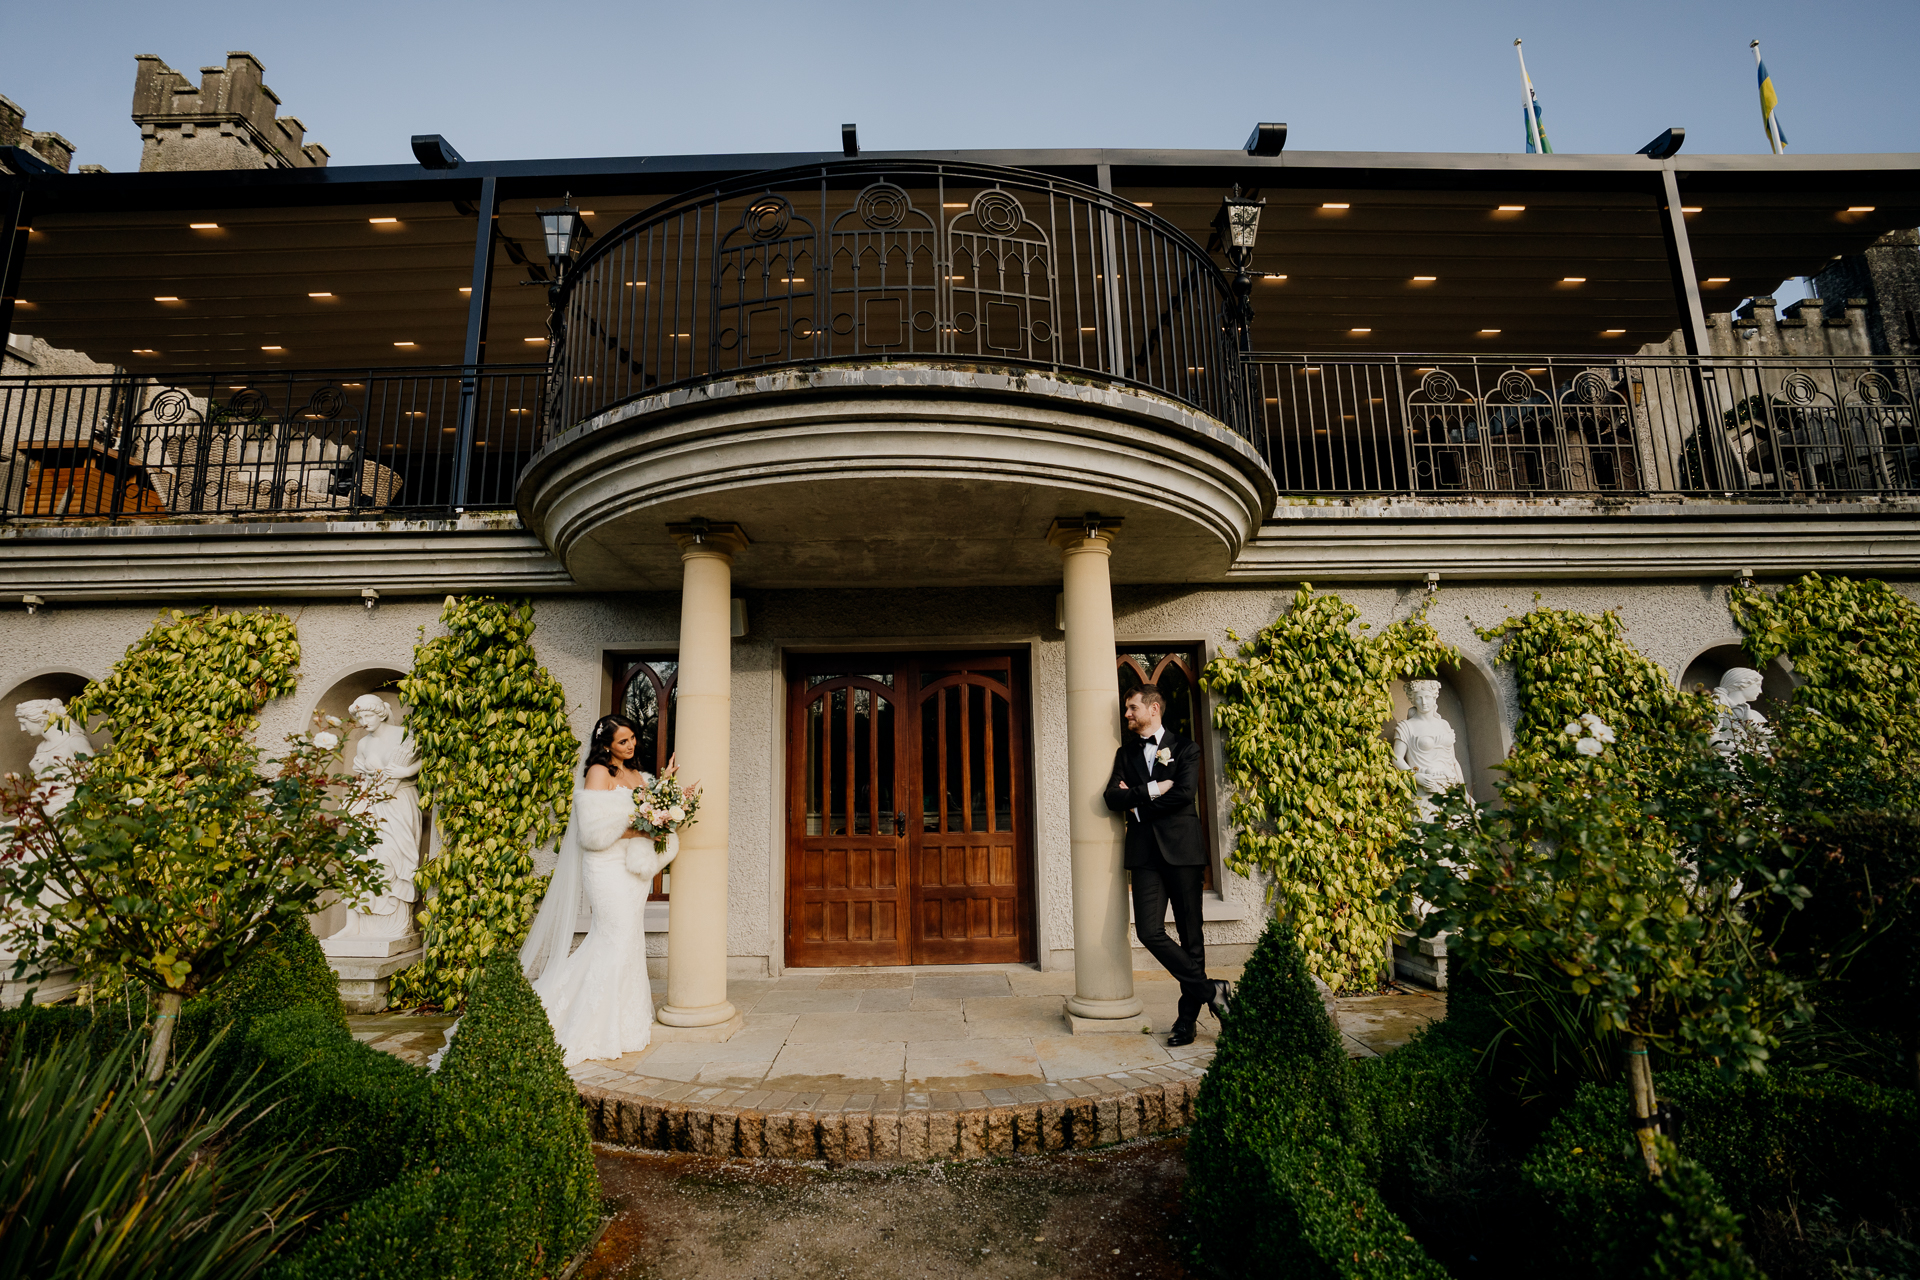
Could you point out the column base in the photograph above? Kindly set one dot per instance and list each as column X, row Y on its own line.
column 1082, row 1007
column 712, row 1033
column 705, row 1016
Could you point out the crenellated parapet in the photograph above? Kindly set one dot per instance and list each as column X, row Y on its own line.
column 227, row 121
column 50, row 147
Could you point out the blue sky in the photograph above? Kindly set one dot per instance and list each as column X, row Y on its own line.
column 591, row 78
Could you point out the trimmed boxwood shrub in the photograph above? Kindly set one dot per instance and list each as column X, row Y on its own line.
column 1276, row 1184
column 288, row 972
column 502, row 1184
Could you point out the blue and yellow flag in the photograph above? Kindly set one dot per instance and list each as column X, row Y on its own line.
column 1769, row 99
column 1531, row 122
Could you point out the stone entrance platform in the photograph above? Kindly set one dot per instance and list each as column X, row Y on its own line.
column 935, row 1063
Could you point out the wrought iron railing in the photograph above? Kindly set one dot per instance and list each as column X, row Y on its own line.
column 895, row 260
column 1780, row 428
column 389, row 441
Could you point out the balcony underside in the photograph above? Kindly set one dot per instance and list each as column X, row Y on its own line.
column 896, row 474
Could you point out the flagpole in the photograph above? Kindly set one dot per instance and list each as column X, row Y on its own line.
column 1773, row 134
column 1526, row 100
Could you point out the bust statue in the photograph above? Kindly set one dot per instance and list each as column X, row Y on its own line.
column 1423, row 745
column 60, row 742
column 386, row 760
column 1739, row 727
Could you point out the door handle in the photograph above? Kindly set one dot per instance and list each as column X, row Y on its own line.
column 900, row 822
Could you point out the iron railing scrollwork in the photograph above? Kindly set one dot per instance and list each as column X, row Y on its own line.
column 283, row 443
column 880, row 261
column 1783, row 428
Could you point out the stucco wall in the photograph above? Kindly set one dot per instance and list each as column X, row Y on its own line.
column 1671, row 622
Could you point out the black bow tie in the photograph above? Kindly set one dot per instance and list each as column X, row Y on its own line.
column 1155, row 739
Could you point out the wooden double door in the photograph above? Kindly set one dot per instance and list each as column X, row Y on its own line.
column 909, row 810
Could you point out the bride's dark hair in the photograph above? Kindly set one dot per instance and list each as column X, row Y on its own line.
column 600, row 742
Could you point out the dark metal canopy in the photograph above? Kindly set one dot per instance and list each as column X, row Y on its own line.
column 372, row 264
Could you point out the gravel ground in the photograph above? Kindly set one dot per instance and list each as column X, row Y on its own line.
column 1109, row 1213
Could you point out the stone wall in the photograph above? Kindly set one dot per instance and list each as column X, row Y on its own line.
column 1887, row 278
column 51, row 147
column 348, row 649
column 225, row 122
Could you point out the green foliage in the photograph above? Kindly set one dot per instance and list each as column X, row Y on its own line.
column 1855, row 649
column 1278, row 1178
column 1318, row 800
column 100, row 1177
column 497, row 765
column 505, row 1185
column 175, row 879
column 190, row 682
column 289, row 971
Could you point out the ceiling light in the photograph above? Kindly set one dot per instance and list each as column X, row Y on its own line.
column 1359, row 331
column 406, row 344
column 1611, row 333
column 1715, row 281
column 353, row 384
column 586, row 213
column 961, row 205
column 1487, row 333
column 682, row 335
column 533, row 339
column 466, row 288
column 1536, row 371
column 203, row 226
column 319, row 295
column 1689, row 208
column 636, row 284
column 273, row 348
column 1860, row 208
column 1143, row 204
column 165, row 297
column 145, row 351
column 1573, row 279
column 1275, row 277
column 1511, row 208
column 1425, row 279
column 793, row 280
column 378, row 222
column 1335, row 205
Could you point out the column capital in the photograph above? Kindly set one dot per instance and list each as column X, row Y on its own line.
column 721, row 537
column 1069, row 533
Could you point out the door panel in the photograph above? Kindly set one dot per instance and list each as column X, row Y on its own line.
column 941, row 738
column 846, row 893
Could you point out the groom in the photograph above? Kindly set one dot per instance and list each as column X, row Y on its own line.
column 1156, row 773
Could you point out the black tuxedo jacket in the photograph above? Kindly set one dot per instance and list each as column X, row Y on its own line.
column 1167, row 824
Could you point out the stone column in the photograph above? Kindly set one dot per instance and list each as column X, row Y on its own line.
column 697, row 900
column 1102, row 956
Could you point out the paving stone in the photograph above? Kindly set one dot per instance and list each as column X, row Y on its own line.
column 867, row 981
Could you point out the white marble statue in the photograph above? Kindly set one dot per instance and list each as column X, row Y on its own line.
column 387, row 760
column 1740, row 727
column 1423, row 745
column 60, row 742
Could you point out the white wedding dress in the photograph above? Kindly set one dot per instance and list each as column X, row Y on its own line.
column 597, row 998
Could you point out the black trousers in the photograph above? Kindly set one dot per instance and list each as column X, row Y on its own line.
column 1153, row 888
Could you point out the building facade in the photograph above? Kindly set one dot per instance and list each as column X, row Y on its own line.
column 866, row 484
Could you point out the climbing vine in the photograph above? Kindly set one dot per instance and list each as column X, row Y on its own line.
column 497, row 760
column 1855, row 649
column 193, row 680
column 1318, row 799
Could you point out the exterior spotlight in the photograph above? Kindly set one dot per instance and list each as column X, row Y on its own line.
column 33, row 604
column 1665, row 145
column 1433, row 582
column 435, row 152
column 1267, row 140
column 850, row 140
column 369, row 597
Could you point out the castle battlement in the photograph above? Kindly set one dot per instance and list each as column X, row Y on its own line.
column 51, row 147
column 227, row 121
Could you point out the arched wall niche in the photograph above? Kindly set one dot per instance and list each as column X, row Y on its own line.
column 346, row 687
column 1776, row 678
column 17, row 748
column 1468, row 702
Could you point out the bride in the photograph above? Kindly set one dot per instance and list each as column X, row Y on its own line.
column 597, row 998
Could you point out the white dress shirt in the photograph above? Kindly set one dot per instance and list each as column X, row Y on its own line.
column 1150, row 747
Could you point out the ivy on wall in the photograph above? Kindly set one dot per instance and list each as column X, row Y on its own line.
column 1318, row 800
column 497, row 759
column 1855, row 649
column 191, row 680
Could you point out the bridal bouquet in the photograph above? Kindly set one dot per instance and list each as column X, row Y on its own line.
column 662, row 807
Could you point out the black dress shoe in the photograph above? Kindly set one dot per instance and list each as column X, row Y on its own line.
column 1183, row 1033
column 1222, row 1001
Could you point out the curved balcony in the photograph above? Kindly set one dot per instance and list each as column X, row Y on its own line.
column 902, row 356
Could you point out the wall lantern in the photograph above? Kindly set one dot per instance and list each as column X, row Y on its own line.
column 1236, row 228
column 566, row 233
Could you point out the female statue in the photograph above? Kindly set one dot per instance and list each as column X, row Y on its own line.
column 598, row 998
column 1423, row 745
column 387, row 761
column 60, row 742
column 1739, row 727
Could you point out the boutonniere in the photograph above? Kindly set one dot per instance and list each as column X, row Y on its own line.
column 1164, row 756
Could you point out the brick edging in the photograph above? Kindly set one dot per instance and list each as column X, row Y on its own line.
column 908, row 1132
